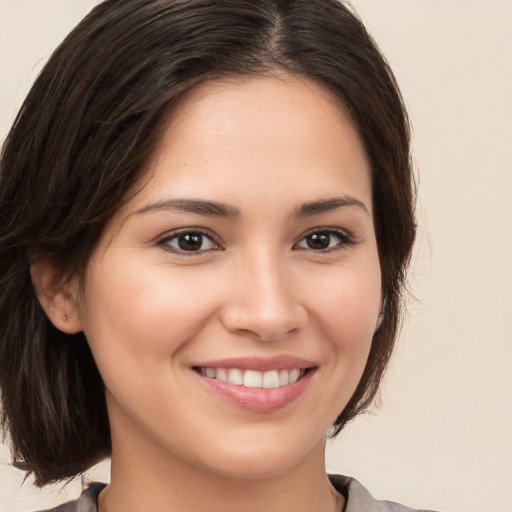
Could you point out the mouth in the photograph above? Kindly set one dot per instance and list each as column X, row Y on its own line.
column 252, row 378
column 257, row 384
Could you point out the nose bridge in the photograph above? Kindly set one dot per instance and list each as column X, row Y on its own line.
column 264, row 302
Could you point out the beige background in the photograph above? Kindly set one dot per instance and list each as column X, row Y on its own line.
column 442, row 438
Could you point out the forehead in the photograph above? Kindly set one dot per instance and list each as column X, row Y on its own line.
column 263, row 138
column 233, row 106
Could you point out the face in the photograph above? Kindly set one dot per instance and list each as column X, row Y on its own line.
column 231, row 303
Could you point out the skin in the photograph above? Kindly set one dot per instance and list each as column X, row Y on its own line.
column 265, row 147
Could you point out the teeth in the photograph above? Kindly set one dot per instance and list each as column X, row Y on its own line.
column 253, row 378
column 294, row 375
column 222, row 375
column 271, row 379
column 235, row 376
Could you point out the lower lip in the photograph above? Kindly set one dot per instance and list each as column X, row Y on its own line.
column 258, row 399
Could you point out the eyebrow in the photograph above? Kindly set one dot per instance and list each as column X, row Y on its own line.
column 216, row 209
column 197, row 206
column 326, row 205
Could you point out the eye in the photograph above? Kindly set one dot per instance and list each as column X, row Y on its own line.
column 191, row 241
column 324, row 240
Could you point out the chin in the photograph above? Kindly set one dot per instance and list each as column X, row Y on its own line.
column 257, row 468
column 267, row 458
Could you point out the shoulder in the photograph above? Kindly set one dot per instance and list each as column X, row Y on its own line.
column 359, row 499
column 87, row 502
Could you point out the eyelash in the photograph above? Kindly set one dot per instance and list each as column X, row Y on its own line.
column 166, row 241
column 344, row 240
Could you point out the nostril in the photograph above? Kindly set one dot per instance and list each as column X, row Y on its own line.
column 264, row 322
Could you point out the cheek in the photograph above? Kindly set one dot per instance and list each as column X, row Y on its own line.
column 143, row 314
column 350, row 306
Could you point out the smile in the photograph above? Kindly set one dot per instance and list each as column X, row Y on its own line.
column 253, row 378
column 257, row 384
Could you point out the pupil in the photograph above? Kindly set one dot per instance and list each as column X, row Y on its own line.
column 319, row 240
column 190, row 242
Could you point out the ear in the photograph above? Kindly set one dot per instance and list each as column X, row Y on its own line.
column 380, row 318
column 57, row 296
column 379, row 321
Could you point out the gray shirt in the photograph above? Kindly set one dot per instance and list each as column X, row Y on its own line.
column 357, row 497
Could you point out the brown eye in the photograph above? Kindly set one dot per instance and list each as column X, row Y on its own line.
column 324, row 240
column 189, row 242
column 319, row 240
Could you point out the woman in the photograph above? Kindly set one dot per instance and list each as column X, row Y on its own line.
column 206, row 218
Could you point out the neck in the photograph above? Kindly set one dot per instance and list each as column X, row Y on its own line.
column 143, row 482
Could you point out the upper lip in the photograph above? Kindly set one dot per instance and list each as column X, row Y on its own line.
column 262, row 364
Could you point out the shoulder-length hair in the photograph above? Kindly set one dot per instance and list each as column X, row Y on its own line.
column 80, row 142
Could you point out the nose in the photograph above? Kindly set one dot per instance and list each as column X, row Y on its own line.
column 264, row 303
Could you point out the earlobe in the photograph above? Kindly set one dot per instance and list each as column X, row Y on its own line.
column 379, row 321
column 380, row 318
column 57, row 296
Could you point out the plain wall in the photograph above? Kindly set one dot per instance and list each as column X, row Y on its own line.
column 442, row 438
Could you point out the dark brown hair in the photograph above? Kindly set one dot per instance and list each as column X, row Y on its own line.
column 80, row 142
